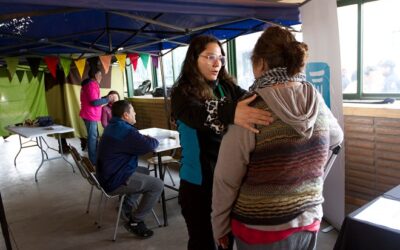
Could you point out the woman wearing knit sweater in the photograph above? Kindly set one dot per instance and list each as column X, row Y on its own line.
column 267, row 187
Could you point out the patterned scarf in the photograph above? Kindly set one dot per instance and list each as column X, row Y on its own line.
column 276, row 76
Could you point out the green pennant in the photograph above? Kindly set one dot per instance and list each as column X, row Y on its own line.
column 20, row 74
column 30, row 76
column 66, row 65
column 40, row 76
column 145, row 59
column 12, row 63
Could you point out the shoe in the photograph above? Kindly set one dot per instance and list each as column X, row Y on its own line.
column 139, row 229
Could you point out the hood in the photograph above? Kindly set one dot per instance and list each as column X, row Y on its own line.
column 295, row 105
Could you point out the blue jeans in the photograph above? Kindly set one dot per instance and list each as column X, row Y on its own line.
column 91, row 128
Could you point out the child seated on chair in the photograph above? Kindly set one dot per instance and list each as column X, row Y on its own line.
column 117, row 163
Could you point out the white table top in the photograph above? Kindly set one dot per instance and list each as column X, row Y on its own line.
column 169, row 139
column 29, row 132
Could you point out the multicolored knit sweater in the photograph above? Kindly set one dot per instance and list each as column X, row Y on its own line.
column 282, row 183
column 272, row 181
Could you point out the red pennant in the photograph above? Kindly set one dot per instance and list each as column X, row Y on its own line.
column 51, row 62
column 134, row 59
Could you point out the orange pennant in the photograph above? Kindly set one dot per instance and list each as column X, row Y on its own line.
column 106, row 61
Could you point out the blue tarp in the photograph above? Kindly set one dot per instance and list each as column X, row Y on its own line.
column 97, row 27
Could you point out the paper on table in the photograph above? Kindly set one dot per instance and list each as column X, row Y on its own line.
column 385, row 212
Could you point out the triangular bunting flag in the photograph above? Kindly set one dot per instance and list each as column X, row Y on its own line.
column 154, row 60
column 145, row 59
column 30, row 76
column 51, row 62
column 20, row 74
column 134, row 60
column 66, row 65
column 34, row 63
column 80, row 65
column 40, row 76
column 10, row 77
column 121, row 60
column 106, row 61
column 12, row 63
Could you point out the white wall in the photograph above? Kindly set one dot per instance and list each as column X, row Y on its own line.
column 320, row 31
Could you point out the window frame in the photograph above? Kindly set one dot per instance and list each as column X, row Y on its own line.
column 360, row 95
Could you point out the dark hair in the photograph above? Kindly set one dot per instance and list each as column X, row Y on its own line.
column 190, row 80
column 120, row 107
column 113, row 92
column 278, row 47
column 93, row 71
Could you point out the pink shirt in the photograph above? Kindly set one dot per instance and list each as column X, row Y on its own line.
column 105, row 115
column 90, row 92
column 254, row 236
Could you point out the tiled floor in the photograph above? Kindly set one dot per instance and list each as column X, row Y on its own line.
column 50, row 214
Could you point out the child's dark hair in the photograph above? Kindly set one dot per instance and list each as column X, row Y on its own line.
column 113, row 92
column 93, row 71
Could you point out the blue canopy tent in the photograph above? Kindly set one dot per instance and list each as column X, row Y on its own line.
column 90, row 28
column 97, row 27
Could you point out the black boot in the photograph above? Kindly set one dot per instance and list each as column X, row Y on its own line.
column 83, row 143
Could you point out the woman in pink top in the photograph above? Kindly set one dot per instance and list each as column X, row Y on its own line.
column 91, row 103
column 113, row 96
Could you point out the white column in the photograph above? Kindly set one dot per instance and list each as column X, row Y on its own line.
column 321, row 33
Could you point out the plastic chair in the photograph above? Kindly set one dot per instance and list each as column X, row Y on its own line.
column 165, row 160
column 92, row 177
column 90, row 170
column 331, row 160
column 78, row 161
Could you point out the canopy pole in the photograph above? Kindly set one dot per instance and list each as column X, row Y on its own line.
column 110, row 48
column 167, row 113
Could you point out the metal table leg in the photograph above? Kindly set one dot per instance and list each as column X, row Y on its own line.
column 164, row 207
column 20, row 148
column 41, row 163
column 48, row 159
column 4, row 225
column 62, row 153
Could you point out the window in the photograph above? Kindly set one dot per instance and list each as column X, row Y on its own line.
column 136, row 78
column 178, row 56
column 172, row 63
column 167, row 70
column 347, row 17
column 381, row 47
column 244, row 46
column 370, row 48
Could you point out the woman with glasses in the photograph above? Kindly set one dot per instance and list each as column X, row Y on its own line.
column 204, row 101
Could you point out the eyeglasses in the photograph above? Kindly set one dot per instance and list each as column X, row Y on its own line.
column 212, row 59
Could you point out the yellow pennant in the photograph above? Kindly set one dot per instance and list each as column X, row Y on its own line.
column 121, row 61
column 80, row 64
